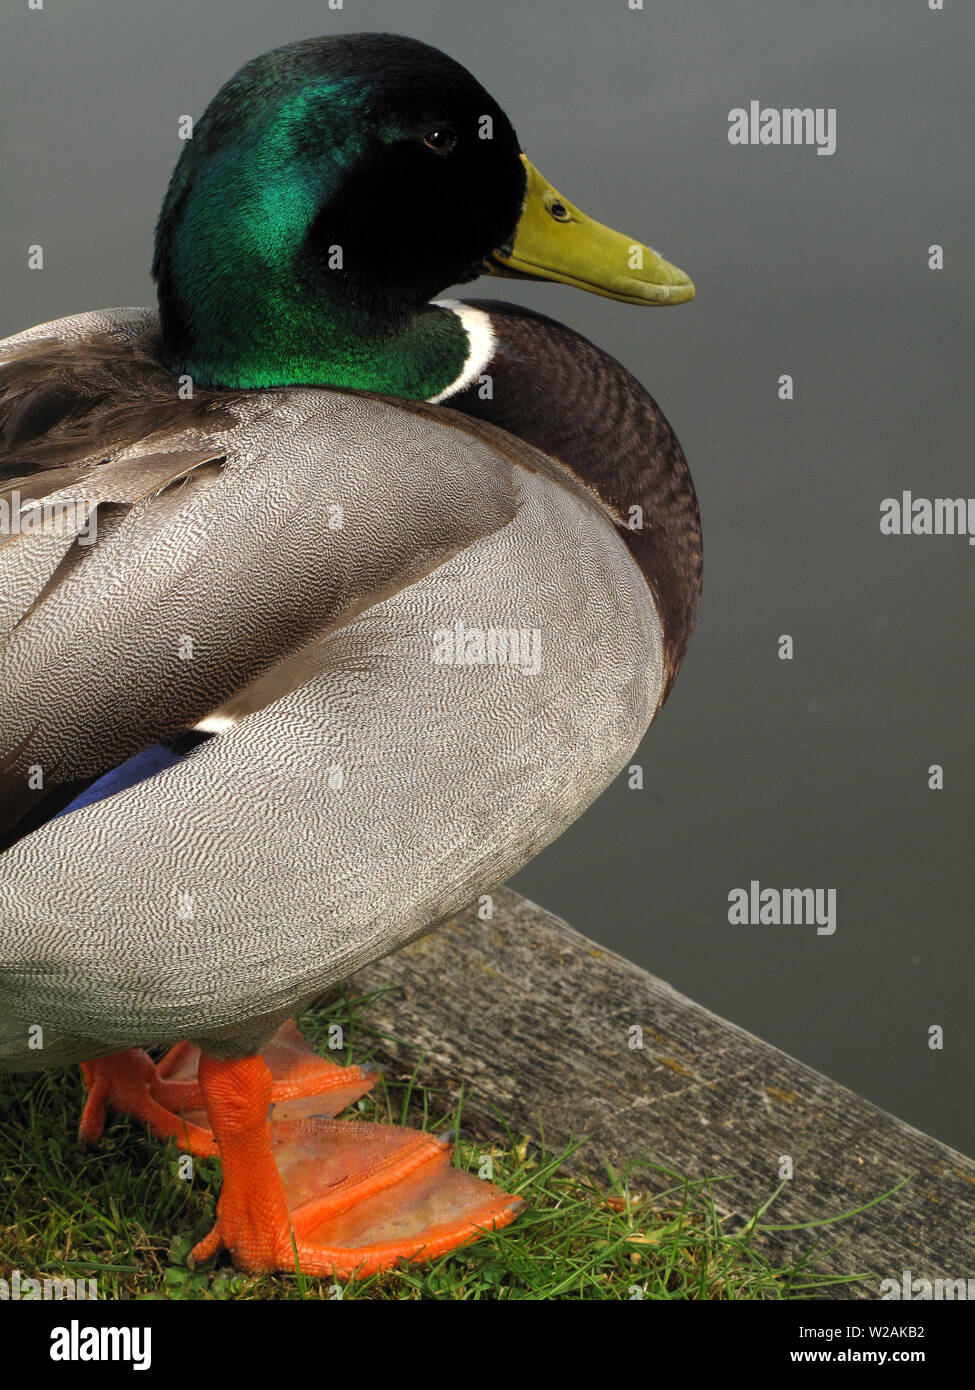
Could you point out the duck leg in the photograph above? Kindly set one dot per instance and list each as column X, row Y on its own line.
column 167, row 1099
column 340, row 1199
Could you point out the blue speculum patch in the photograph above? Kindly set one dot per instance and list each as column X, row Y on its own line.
column 128, row 774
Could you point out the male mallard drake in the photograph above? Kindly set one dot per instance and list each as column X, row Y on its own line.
column 323, row 608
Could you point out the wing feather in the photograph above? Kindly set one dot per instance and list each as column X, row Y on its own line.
column 238, row 527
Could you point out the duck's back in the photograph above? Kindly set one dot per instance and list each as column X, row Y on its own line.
column 425, row 651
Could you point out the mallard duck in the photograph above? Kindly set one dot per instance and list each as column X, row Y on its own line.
column 324, row 608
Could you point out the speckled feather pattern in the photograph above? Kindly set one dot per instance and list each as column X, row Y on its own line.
column 367, row 802
column 238, row 565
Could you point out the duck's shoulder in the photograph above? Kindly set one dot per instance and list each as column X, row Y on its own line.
column 90, row 388
column 89, row 413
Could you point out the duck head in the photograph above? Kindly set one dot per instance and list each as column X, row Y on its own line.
column 330, row 189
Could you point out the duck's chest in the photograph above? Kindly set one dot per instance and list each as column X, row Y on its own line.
column 562, row 395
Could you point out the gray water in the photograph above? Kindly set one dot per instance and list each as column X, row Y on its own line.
column 804, row 773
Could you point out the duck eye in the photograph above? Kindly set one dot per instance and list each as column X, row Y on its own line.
column 441, row 141
column 560, row 212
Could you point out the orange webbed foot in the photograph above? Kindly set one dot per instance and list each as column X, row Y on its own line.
column 126, row 1082
column 339, row 1198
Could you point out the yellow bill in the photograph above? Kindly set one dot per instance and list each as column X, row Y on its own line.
column 555, row 241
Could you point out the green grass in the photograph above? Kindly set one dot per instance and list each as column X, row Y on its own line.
column 122, row 1215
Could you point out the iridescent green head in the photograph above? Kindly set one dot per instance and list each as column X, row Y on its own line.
column 330, row 189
